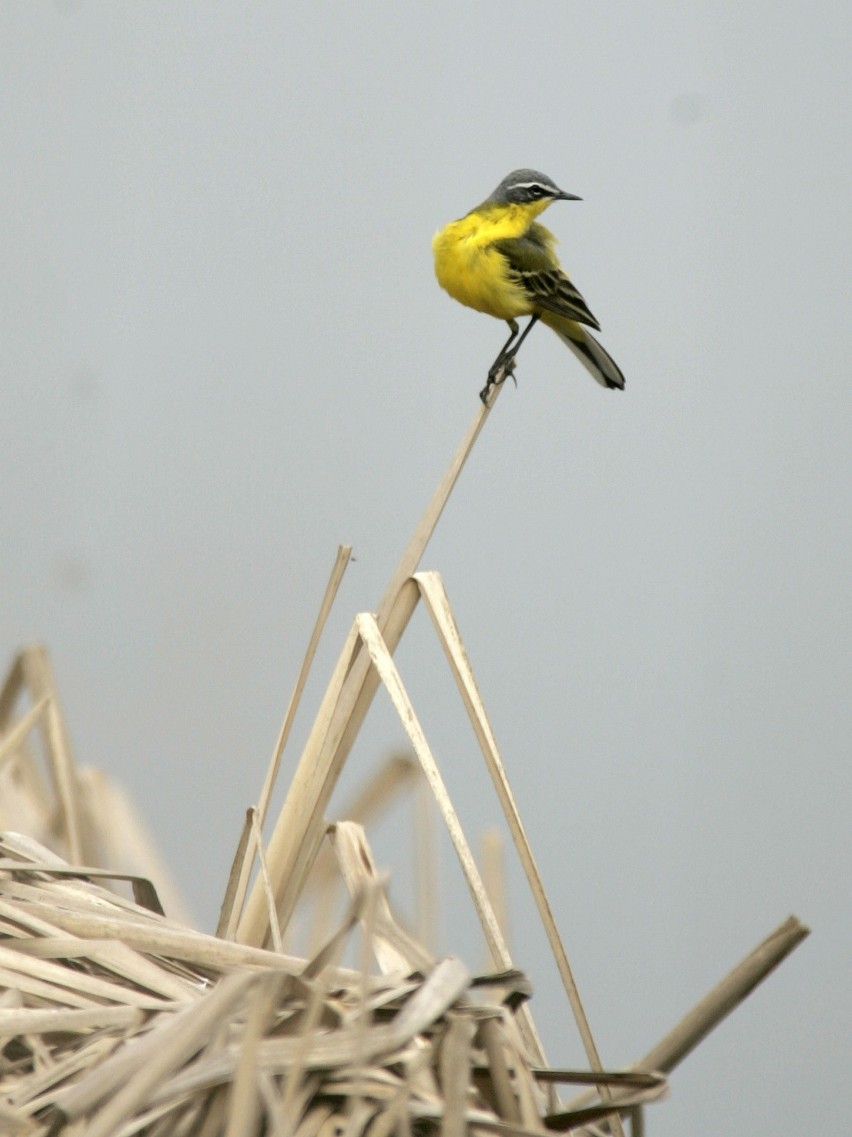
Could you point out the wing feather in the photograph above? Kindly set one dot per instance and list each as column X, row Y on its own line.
column 533, row 264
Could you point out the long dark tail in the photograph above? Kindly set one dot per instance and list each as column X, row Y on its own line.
column 587, row 349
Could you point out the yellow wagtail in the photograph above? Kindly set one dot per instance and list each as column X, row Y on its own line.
column 499, row 260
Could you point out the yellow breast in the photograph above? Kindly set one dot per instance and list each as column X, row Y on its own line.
column 471, row 269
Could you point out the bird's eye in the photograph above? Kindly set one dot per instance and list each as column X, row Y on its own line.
column 536, row 191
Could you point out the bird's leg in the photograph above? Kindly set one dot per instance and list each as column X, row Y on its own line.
column 504, row 353
column 504, row 350
column 499, row 364
column 504, row 364
column 524, row 335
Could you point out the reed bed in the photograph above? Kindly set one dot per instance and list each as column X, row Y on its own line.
column 116, row 1019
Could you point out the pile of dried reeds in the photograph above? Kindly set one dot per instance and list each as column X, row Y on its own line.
column 115, row 1020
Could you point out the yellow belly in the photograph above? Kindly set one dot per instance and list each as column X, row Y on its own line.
column 474, row 272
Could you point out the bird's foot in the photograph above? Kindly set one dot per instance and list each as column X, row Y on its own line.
column 500, row 369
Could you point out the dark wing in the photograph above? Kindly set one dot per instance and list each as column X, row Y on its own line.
column 536, row 269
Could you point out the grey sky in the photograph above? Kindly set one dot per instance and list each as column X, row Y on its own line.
column 224, row 353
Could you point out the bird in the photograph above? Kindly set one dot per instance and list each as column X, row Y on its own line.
column 499, row 260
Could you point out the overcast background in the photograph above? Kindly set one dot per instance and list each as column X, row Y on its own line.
column 224, row 352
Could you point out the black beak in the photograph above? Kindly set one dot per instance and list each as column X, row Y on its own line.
column 562, row 196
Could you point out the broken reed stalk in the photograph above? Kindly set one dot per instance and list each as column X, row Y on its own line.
column 247, row 847
column 725, row 996
column 718, row 1003
column 341, row 563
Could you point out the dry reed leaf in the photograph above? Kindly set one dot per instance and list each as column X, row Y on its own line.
column 144, row 892
column 124, row 845
column 237, row 879
column 272, row 915
column 54, row 1021
column 396, row 951
column 381, row 790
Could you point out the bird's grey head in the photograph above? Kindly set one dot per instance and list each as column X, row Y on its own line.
column 524, row 186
